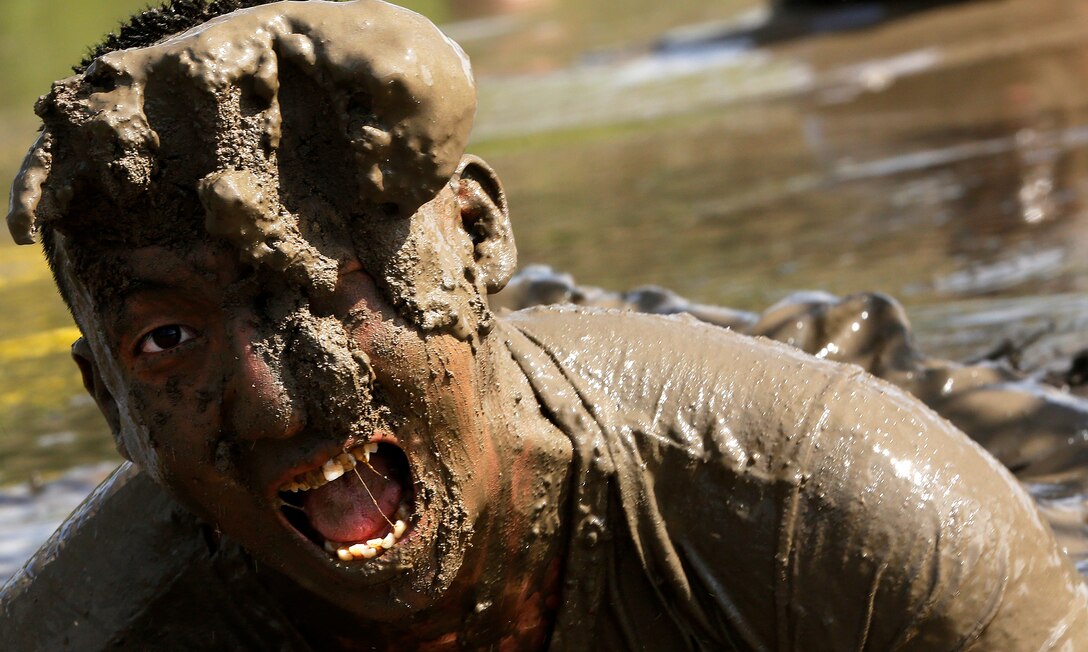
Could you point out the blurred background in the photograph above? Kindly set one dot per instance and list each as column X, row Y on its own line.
column 734, row 151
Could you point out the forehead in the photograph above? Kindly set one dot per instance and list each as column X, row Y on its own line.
column 111, row 274
column 172, row 246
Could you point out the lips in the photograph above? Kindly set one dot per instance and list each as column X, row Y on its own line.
column 357, row 505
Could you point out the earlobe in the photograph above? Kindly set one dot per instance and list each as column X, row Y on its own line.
column 92, row 382
column 486, row 218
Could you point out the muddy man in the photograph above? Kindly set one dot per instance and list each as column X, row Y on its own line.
column 279, row 258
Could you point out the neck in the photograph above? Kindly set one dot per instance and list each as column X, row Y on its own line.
column 516, row 560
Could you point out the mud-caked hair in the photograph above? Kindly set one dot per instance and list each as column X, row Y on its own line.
column 155, row 24
column 265, row 130
column 141, row 29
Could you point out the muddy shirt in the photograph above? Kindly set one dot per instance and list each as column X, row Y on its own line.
column 1038, row 430
column 732, row 493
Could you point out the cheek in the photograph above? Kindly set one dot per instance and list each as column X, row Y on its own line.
column 177, row 421
column 396, row 352
column 175, row 418
column 183, row 450
column 431, row 377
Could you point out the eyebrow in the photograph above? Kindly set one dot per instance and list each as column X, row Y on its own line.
column 116, row 310
column 118, row 298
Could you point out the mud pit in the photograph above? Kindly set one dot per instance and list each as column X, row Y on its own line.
column 292, row 176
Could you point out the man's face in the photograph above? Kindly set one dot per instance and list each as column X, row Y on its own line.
column 307, row 428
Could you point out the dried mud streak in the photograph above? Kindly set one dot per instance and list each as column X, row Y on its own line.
column 283, row 125
column 849, row 483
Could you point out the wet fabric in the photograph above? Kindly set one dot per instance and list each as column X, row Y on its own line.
column 1037, row 430
column 732, row 493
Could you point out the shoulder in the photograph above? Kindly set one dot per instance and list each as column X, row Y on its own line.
column 584, row 332
column 809, row 472
column 639, row 359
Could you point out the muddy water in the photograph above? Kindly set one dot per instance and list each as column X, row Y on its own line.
column 939, row 157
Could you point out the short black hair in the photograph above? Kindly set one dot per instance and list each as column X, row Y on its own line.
column 157, row 23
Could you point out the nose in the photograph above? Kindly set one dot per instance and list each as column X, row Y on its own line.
column 257, row 403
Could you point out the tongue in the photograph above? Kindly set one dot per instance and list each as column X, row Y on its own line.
column 343, row 511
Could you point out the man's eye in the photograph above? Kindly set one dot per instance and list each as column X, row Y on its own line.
column 165, row 338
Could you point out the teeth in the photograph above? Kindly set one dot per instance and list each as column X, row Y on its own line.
column 363, row 453
column 314, row 479
column 332, row 470
column 370, row 549
column 357, row 551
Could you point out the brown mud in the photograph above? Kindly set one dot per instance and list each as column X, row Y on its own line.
column 270, row 114
column 745, row 479
column 303, row 139
column 283, row 144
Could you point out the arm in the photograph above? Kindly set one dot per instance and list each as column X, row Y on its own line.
column 130, row 569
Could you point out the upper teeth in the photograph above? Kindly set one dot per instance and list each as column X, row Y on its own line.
column 331, row 469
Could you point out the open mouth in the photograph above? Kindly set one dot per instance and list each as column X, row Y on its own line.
column 357, row 505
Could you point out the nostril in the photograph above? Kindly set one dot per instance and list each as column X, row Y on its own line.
column 322, row 302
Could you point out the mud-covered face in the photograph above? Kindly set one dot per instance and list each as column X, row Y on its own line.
column 334, row 441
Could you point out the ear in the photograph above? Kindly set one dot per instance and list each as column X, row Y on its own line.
column 92, row 382
column 486, row 219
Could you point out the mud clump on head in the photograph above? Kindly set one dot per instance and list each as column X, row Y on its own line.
column 278, row 128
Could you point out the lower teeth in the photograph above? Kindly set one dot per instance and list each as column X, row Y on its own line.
column 370, row 549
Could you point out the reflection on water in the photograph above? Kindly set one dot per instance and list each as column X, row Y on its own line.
column 939, row 157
